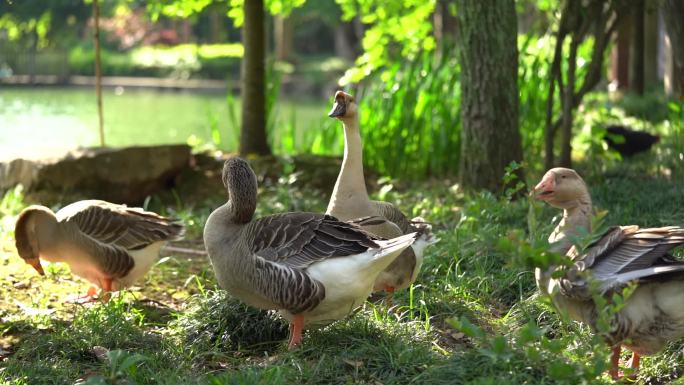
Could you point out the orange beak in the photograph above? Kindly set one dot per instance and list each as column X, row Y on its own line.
column 546, row 187
column 35, row 262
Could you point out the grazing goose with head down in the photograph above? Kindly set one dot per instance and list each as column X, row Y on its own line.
column 110, row 245
column 350, row 202
column 654, row 313
column 312, row 267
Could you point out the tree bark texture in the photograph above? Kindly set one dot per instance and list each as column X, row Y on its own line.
column 253, row 91
column 283, row 34
column 98, row 71
column 490, row 138
column 620, row 55
column 674, row 16
column 638, row 45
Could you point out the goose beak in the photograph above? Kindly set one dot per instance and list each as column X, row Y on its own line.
column 35, row 262
column 338, row 109
column 545, row 188
column 340, row 106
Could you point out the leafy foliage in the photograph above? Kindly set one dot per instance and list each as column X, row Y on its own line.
column 397, row 28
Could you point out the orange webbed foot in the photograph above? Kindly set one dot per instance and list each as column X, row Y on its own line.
column 296, row 331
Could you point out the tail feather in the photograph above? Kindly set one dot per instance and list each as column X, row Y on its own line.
column 395, row 245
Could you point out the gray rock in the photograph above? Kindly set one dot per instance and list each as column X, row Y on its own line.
column 120, row 175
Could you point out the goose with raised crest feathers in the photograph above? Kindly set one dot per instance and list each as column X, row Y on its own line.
column 109, row 245
column 653, row 314
column 311, row 267
column 350, row 202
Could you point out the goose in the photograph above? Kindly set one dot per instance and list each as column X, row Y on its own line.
column 350, row 202
column 109, row 245
column 654, row 312
column 311, row 267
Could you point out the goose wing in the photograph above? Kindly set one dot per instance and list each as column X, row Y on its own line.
column 622, row 255
column 285, row 244
column 394, row 215
column 300, row 239
column 126, row 227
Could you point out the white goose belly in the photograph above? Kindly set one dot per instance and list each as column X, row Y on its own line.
column 653, row 316
column 347, row 286
column 82, row 265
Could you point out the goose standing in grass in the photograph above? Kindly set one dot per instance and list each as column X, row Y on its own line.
column 312, row 267
column 110, row 245
column 654, row 313
column 350, row 202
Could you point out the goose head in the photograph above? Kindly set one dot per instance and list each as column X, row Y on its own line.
column 562, row 188
column 241, row 185
column 344, row 108
column 26, row 234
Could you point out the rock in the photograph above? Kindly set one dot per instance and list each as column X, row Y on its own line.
column 121, row 175
column 203, row 180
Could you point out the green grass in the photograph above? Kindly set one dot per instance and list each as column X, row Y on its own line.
column 473, row 316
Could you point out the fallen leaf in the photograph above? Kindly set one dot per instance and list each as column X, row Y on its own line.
column 355, row 364
column 21, row 285
column 458, row 335
column 32, row 311
column 100, row 352
column 4, row 353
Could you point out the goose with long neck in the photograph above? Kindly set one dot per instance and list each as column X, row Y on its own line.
column 350, row 202
column 654, row 313
column 110, row 245
column 311, row 267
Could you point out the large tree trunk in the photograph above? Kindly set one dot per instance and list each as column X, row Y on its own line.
column 253, row 90
column 674, row 14
column 489, row 101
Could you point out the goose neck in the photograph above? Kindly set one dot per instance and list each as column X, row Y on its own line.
column 351, row 175
column 241, row 202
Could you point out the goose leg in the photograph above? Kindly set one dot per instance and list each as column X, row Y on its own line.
column 296, row 331
column 390, row 293
column 106, row 289
column 89, row 296
column 614, row 362
column 634, row 364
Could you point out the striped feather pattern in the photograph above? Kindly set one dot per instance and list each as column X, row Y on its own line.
column 126, row 227
column 300, row 239
column 622, row 255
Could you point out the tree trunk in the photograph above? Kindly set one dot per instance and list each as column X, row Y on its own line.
column 620, row 55
column 651, row 45
column 283, row 33
column 444, row 23
column 98, row 70
column 674, row 14
column 638, row 45
column 345, row 41
column 253, row 90
column 568, row 104
column 489, row 101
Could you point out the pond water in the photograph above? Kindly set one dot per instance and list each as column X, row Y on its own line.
column 49, row 117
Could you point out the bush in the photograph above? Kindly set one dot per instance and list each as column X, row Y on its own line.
column 216, row 61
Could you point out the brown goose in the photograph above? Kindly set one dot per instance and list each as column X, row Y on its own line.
column 110, row 245
column 654, row 313
column 312, row 267
column 349, row 202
